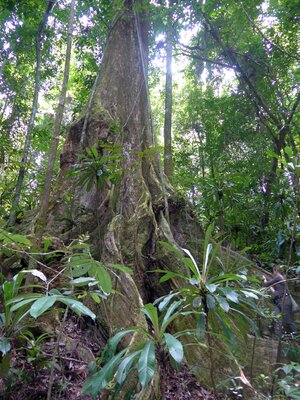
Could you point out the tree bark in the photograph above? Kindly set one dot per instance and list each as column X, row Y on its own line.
column 57, row 126
column 21, row 175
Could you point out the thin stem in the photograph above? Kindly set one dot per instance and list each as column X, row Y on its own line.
column 51, row 378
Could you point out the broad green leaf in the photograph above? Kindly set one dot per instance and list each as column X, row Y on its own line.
column 165, row 300
column 289, row 151
column 95, row 297
column 168, row 318
column 191, row 266
column 197, row 302
column 223, row 303
column 211, row 302
column 55, row 291
column 287, row 368
column 25, row 296
column 22, row 303
column 121, row 268
column 14, row 238
column 80, row 264
column 146, row 364
column 296, row 367
column 174, row 346
column 81, row 281
column 8, row 290
column 250, row 294
column 94, row 152
column 102, row 276
column 151, row 311
column 230, row 294
column 194, row 281
column 76, row 306
column 200, row 326
column 17, row 281
column 97, row 382
column 227, row 278
column 4, row 345
column 125, row 366
column 211, row 287
column 41, row 305
column 168, row 275
column 47, row 243
column 11, row 288
column 171, row 248
column 293, row 393
column 115, row 340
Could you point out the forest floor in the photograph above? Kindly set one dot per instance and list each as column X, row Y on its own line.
column 80, row 344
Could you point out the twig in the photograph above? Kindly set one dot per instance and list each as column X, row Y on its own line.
column 53, row 279
column 51, row 378
column 68, row 358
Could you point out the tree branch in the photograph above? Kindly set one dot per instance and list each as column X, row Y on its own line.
column 294, row 109
column 199, row 57
column 227, row 52
column 264, row 36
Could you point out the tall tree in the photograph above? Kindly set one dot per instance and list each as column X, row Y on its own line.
column 168, row 157
column 58, row 121
column 26, row 149
column 125, row 217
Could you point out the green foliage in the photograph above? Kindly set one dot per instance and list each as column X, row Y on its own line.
column 288, row 386
column 81, row 263
column 33, row 348
column 24, row 302
column 98, row 167
column 144, row 356
column 19, row 305
column 223, row 303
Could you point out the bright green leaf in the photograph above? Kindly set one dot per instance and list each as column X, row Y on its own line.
column 4, row 345
column 146, row 364
column 174, row 346
column 41, row 305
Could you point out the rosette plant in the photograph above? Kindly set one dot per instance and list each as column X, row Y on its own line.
column 149, row 356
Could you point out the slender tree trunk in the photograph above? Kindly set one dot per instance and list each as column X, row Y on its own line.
column 26, row 149
column 2, row 66
column 168, row 158
column 57, row 126
column 4, row 109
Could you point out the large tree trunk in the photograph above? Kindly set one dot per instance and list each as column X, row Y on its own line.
column 125, row 220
